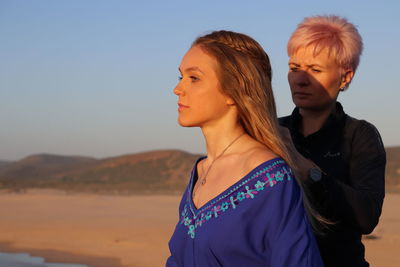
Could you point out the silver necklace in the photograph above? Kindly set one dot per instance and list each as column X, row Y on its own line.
column 203, row 179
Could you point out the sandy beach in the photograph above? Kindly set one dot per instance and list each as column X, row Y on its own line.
column 116, row 231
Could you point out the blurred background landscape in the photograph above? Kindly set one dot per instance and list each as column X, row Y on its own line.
column 153, row 172
column 111, row 212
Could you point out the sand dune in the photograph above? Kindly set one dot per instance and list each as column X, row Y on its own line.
column 383, row 246
column 113, row 231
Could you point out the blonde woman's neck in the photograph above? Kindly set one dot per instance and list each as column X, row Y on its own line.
column 218, row 138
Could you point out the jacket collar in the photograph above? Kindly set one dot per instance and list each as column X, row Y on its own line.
column 334, row 122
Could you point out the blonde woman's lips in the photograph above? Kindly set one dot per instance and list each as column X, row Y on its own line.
column 182, row 107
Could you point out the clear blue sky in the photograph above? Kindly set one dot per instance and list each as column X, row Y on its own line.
column 95, row 78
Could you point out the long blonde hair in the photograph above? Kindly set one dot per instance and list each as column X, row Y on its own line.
column 245, row 74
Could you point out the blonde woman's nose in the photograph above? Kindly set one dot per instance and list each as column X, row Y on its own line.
column 178, row 90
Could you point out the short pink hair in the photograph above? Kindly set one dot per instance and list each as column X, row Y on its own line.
column 334, row 33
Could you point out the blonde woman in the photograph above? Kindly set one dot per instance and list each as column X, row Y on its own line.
column 243, row 206
column 342, row 159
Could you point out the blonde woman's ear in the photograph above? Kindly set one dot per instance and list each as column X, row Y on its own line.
column 230, row 101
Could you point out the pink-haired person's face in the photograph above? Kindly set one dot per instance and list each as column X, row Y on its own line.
column 315, row 80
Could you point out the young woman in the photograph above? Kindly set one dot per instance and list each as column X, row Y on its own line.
column 243, row 206
column 345, row 156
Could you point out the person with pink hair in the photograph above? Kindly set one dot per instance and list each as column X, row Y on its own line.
column 341, row 159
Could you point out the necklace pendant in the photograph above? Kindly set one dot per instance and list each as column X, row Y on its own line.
column 203, row 181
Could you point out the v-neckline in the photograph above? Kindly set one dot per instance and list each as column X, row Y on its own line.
column 194, row 174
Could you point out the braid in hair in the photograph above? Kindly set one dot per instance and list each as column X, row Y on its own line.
column 239, row 42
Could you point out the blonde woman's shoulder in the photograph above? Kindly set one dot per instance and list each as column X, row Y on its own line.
column 258, row 155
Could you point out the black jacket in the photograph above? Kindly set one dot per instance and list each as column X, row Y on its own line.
column 350, row 152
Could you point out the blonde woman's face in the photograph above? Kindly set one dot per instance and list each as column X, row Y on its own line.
column 315, row 81
column 200, row 98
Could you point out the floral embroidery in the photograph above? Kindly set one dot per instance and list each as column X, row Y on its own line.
column 246, row 190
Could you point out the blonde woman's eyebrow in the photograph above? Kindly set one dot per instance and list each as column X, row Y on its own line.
column 191, row 69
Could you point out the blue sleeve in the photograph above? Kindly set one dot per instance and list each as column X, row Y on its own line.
column 171, row 262
column 289, row 237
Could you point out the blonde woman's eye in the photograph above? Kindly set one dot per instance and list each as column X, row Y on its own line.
column 316, row 70
column 194, row 78
column 180, row 78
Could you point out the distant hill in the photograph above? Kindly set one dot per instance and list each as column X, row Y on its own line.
column 163, row 171
column 43, row 165
column 154, row 171
column 4, row 163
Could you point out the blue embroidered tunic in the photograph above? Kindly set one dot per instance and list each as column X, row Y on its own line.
column 258, row 221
